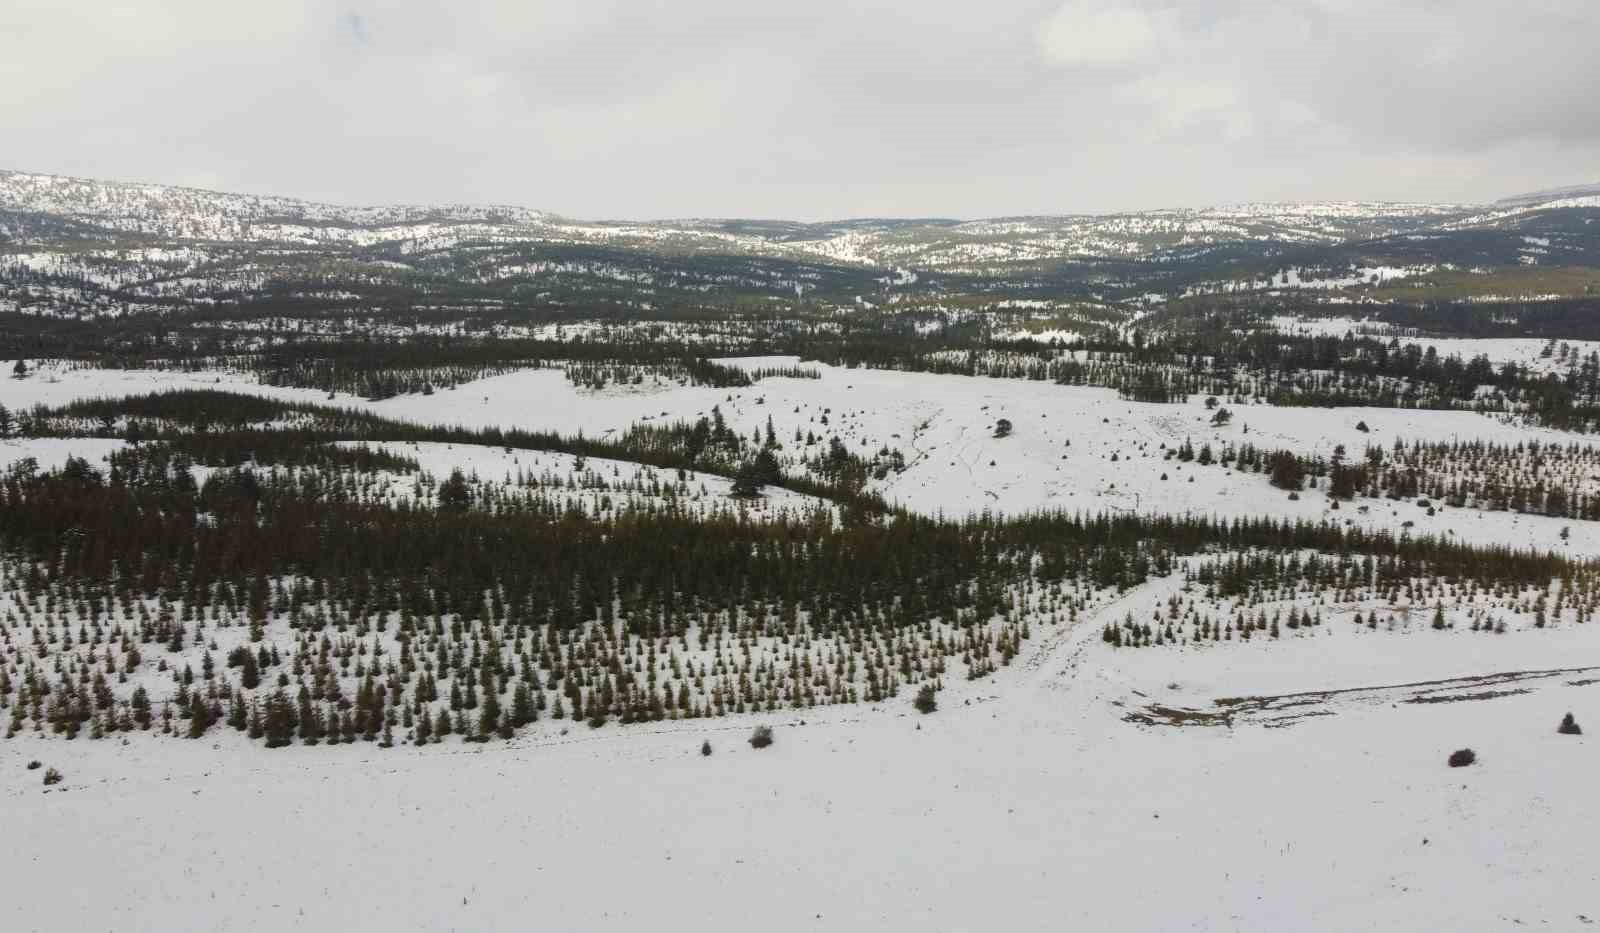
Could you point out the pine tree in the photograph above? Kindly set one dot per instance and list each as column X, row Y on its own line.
column 311, row 725
column 250, row 673
column 488, row 715
column 279, row 720
column 199, row 717
column 141, row 707
column 454, row 493
column 747, row 481
column 522, row 711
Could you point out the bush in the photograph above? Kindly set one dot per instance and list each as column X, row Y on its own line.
column 925, row 702
column 1569, row 726
column 52, row 776
column 705, row 748
column 1462, row 757
column 35, row 765
column 762, row 737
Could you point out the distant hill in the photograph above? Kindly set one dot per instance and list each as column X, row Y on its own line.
column 1550, row 194
column 75, row 247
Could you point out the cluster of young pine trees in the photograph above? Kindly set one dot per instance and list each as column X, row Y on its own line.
column 295, row 600
column 1249, row 595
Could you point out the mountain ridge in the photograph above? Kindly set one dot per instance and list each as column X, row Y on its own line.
column 81, row 246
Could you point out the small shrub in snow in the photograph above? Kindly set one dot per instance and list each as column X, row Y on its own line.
column 762, row 737
column 35, row 765
column 1569, row 726
column 1462, row 757
column 925, row 701
column 52, row 776
column 705, row 748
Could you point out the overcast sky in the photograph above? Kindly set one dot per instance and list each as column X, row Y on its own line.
column 808, row 108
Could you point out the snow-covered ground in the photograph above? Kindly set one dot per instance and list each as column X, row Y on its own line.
column 1025, row 803
column 597, row 485
column 1028, row 801
column 1071, row 448
column 1527, row 352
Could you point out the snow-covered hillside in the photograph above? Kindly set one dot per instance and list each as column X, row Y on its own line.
column 1070, row 448
column 1026, row 802
column 186, row 214
column 1176, row 755
column 193, row 214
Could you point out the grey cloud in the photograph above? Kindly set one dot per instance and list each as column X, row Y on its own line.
column 833, row 108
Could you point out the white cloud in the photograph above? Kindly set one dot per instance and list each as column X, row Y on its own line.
column 1099, row 33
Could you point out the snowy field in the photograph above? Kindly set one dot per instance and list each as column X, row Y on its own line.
column 1025, row 803
column 1527, row 352
column 1071, row 448
column 1029, row 801
column 597, row 485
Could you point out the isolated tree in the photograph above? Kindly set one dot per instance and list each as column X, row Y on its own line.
column 250, row 672
column 279, row 720
column 199, row 716
column 141, row 707
column 925, row 702
column 1569, row 726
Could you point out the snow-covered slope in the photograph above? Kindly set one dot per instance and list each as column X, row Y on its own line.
column 1269, row 784
column 1026, row 802
column 188, row 214
column 1071, row 448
